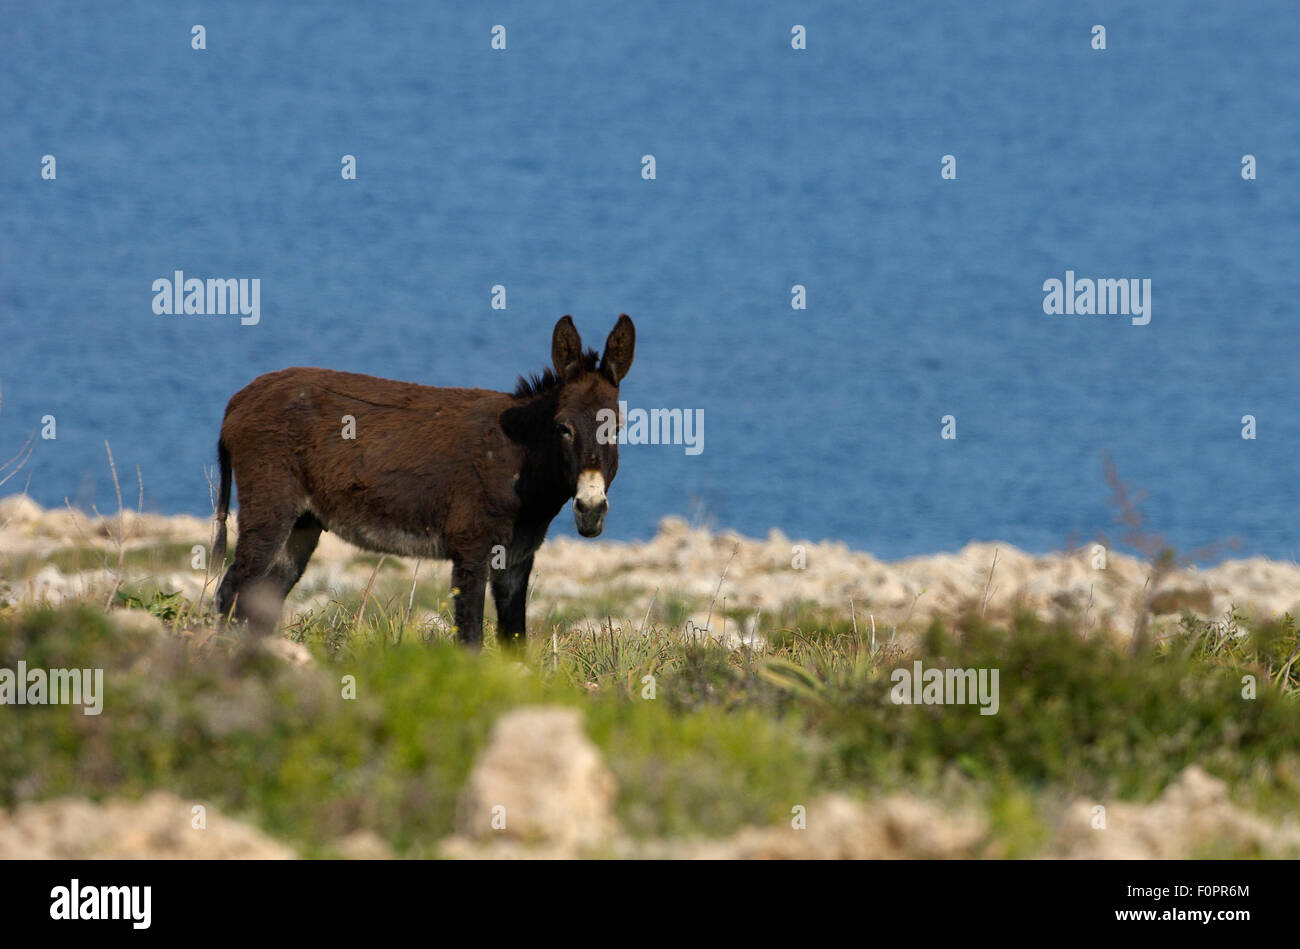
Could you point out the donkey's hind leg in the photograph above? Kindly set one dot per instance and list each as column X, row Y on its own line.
column 250, row 587
column 289, row 565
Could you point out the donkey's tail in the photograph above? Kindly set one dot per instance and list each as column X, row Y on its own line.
column 223, row 505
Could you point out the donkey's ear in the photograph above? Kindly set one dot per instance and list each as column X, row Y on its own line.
column 566, row 349
column 619, row 349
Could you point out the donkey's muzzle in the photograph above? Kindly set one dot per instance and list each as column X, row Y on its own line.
column 590, row 504
column 590, row 518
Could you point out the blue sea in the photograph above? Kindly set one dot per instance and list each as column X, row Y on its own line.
column 774, row 167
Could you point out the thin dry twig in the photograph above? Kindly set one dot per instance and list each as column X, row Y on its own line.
column 212, row 536
column 708, row 621
column 120, row 540
column 20, row 459
column 645, row 619
column 361, row 610
column 410, row 600
column 992, row 568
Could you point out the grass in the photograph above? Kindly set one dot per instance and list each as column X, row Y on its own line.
column 1075, row 714
column 703, row 739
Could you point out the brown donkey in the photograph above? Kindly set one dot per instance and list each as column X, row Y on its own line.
column 468, row 474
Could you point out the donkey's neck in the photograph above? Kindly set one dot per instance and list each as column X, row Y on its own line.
column 541, row 487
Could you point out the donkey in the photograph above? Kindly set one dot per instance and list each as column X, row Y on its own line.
column 470, row 475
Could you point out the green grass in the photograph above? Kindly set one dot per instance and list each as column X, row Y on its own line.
column 280, row 744
column 729, row 738
column 1076, row 714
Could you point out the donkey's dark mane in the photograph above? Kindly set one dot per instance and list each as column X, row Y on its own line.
column 546, row 380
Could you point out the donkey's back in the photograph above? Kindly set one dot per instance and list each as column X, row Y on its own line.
column 377, row 461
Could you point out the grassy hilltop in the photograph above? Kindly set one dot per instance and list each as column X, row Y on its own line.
column 707, row 719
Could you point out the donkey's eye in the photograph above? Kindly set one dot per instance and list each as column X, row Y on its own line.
column 564, row 430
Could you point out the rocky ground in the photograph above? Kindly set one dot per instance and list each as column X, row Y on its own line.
column 539, row 765
column 1105, row 590
column 540, row 790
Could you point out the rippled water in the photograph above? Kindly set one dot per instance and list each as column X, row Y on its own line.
column 774, row 168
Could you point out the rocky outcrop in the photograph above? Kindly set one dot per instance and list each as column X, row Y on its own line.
column 159, row 826
column 835, row 827
column 1099, row 591
column 541, row 788
column 1192, row 818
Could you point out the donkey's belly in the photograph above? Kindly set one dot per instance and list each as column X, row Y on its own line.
column 386, row 539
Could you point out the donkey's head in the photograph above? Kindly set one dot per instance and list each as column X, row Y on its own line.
column 586, row 416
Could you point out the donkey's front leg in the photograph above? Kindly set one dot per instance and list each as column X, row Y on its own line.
column 468, row 581
column 510, row 593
